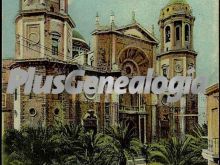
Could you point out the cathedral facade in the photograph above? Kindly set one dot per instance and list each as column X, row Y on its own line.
column 46, row 39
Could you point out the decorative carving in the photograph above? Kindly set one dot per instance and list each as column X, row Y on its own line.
column 133, row 61
column 34, row 38
column 102, row 64
column 164, row 115
column 178, row 68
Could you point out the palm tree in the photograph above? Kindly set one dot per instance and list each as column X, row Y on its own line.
column 30, row 146
column 13, row 142
column 124, row 144
column 89, row 149
column 176, row 151
column 199, row 142
column 95, row 147
column 200, row 131
column 66, row 139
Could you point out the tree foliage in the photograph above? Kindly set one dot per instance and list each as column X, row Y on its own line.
column 72, row 145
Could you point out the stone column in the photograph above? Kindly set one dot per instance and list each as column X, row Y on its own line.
column 42, row 37
column 113, row 49
column 139, row 128
column 65, row 41
column 145, row 129
column 162, row 38
column 182, row 119
column 21, row 52
column 17, row 107
column 172, row 38
column 3, row 119
column 183, row 35
column 191, row 37
column 154, row 121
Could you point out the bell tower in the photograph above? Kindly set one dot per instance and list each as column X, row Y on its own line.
column 50, row 5
column 43, row 34
column 44, row 30
column 176, row 57
column 176, row 26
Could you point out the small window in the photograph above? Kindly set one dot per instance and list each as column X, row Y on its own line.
column 187, row 30
column 16, row 94
column 165, row 70
column 55, row 46
column 168, row 9
column 56, row 111
column 167, row 32
column 178, row 33
column 52, row 9
column 32, row 112
column 92, row 62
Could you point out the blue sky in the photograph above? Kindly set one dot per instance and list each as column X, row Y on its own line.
column 83, row 12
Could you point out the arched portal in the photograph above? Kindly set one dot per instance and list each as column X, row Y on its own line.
column 134, row 62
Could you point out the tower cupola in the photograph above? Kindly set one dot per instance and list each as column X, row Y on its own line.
column 176, row 26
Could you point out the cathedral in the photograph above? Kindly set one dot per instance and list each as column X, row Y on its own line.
column 46, row 39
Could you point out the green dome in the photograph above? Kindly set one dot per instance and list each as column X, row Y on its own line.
column 76, row 34
column 178, row 1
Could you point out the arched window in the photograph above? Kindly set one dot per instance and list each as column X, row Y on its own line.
column 54, row 46
column 167, row 32
column 52, row 8
column 165, row 70
column 177, row 33
column 55, row 42
column 187, row 32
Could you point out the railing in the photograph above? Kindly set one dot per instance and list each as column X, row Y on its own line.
column 89, row 67
column 132, row 108
column 213, row 145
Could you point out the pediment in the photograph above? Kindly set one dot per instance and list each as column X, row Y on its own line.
column 136, row 30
